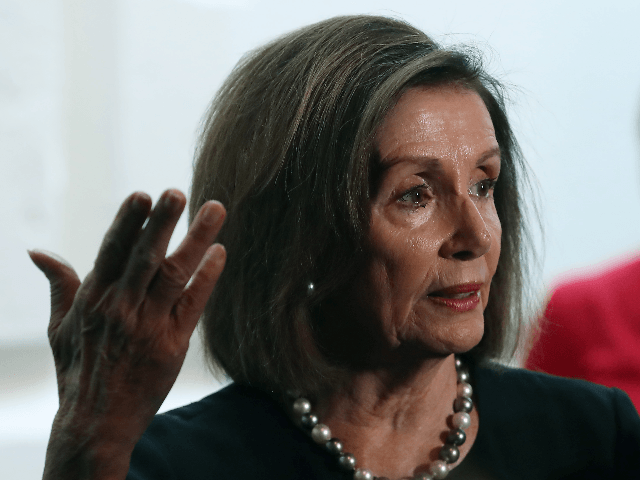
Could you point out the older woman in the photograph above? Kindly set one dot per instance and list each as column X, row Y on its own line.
column 375, row 269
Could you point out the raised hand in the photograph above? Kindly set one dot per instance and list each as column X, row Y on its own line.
column 119, row 338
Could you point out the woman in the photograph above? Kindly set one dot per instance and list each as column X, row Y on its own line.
column 375, row 267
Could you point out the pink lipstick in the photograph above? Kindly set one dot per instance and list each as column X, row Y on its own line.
column 461, row 298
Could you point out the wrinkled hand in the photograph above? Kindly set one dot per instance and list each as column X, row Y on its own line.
column 120, row 337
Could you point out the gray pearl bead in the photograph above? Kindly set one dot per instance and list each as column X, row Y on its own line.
column 463, row 376
column 461, row 420
column 456, row 437
column 321, row 434
column 465, row 390
column 347, row 461
column 309, row 420
column 423, row 476
column 458, row 363
column 361, row 474
column 463, row 404
column 449, row 454
column 439, row 469
column 301, row 406
column 334, row 446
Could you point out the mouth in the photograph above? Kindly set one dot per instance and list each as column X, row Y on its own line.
column 460, row 298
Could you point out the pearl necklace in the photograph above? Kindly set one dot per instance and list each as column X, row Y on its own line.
column 449, row 453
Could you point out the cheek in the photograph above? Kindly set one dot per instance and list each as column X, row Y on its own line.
column 401, row 262
column 403, row 255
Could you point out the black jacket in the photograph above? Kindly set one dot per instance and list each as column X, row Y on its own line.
column 532, row 426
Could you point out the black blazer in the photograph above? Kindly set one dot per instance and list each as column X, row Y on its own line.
column 532, row 426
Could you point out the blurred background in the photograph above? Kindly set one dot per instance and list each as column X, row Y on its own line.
column 99, row 98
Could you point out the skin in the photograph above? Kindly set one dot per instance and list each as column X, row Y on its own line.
column 433, row 225
column 119, row 338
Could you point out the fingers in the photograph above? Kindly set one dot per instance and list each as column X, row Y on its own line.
column 133, row 254
column 120, row 238
column 176, row 270
column 64, row 283
column 151, row 245
column 191, row 304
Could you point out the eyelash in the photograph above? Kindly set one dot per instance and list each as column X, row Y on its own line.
column 418, row 189
column 488, row 183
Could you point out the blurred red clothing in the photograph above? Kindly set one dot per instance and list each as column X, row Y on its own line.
column 591, row 329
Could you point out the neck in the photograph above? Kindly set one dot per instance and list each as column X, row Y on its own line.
column 393, row 422
column 391, row 395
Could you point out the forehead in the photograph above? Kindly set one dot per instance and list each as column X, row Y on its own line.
column 445, row 121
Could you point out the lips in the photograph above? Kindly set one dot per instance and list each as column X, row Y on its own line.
column 461, row 298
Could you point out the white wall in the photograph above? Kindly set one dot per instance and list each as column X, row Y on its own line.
column 102, row 97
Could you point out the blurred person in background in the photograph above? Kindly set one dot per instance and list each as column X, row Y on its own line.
column 591, row 328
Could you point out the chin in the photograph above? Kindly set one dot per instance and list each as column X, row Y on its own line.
column 451, row 338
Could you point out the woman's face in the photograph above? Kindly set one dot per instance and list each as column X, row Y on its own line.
column 434, row 238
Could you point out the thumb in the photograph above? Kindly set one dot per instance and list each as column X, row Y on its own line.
column 63, row 280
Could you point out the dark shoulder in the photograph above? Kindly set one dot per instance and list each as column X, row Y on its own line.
column 230, row 405
column 538, row 387
column 535, row 392
column 238, row 432
column 575, row 425
column 223, row 422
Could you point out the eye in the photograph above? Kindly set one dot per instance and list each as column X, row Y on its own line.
column 484, row 188
column 417, row 196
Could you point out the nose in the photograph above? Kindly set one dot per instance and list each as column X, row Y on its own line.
column 469, row 237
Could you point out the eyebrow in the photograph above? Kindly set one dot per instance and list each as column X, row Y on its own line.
column 433, row 163
column 494, row 152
